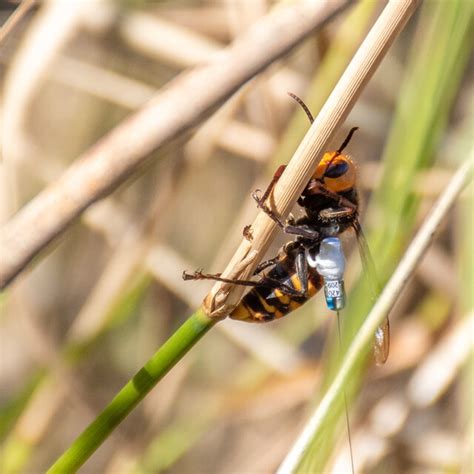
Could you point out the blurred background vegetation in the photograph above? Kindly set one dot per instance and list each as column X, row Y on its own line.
column 101, row 301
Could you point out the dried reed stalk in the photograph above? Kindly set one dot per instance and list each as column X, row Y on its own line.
column 180, row 106
column 223, row 296
column 15, row 18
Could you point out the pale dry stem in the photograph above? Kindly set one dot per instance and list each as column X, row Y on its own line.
column 15, row 18
column 304, row 161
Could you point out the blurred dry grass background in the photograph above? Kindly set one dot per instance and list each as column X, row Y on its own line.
column 101, row 301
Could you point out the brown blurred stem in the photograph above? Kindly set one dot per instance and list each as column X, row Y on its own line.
column 185, row 102
column 22, row 9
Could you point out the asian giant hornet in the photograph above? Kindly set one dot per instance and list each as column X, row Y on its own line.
column 330, row 203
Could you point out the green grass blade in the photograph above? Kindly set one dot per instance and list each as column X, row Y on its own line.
column 295, row 461
column 133, row 392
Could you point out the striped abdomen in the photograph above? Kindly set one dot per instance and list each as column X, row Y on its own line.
column 264, row 303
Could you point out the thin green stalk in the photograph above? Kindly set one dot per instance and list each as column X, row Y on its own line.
column 133, row 392
column 359, row 346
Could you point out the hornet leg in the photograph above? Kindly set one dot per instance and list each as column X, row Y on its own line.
column 302, row 271
column 335, row 214
column 268, row 282
column 301, row 230
column 267, row 263
column 270, row 187
column 199, row 275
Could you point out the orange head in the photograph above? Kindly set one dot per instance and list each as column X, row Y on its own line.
column 336, row 171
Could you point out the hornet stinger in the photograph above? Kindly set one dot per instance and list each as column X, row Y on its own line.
column 330, row 204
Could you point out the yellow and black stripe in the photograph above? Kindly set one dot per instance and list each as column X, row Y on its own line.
column 264, row 303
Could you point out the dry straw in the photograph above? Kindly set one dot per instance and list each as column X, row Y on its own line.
column 15, row 18
column 224, row 296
